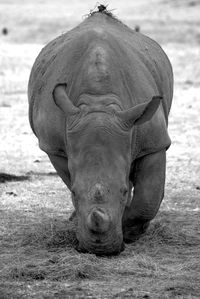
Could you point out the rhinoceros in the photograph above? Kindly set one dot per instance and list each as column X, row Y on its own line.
column 99, row 99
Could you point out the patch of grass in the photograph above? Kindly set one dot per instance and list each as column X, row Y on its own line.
column 42, row 250
column 50, row 233
column 56, row 267
column 39, row 249
column 45, row 251
column 172, row 230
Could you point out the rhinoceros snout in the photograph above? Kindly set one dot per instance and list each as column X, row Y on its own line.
column 98, row 221
column 100, row 236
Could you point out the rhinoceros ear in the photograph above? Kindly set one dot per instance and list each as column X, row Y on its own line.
column 140, row 113
column 62, row 101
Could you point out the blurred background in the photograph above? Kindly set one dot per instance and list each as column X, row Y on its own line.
column 40, row 21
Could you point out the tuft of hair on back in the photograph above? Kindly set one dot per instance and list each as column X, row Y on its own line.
column 102, row 8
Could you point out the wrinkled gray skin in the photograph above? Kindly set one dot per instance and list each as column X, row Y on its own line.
column 99, row 101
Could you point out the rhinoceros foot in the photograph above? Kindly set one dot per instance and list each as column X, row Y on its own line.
column 133, row 233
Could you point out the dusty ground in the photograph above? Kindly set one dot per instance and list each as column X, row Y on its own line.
column 37, row 255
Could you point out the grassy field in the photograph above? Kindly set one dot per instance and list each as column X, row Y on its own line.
column 37, row 255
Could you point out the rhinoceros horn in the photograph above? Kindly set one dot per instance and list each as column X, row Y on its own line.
column 62, row 101
column 141, row 113
column 98, row 221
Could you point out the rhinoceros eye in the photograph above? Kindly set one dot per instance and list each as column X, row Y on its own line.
column 124, row 191
column 82, row 105
column 73, row 192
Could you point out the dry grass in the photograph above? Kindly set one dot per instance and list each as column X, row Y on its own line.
column 163, row 261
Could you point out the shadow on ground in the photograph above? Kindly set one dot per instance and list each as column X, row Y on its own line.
column 5, row 177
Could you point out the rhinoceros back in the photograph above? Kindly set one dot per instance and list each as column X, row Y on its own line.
column 136, row 68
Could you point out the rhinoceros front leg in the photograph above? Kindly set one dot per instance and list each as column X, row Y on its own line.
column 148, row 182
column 61, row 166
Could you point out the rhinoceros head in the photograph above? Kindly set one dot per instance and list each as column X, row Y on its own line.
column 99, row 149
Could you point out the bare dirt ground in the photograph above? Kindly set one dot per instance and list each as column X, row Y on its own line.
column 37, row 255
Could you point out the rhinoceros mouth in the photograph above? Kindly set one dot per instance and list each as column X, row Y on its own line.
column 100, row 249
